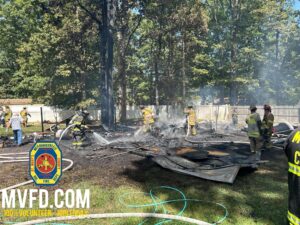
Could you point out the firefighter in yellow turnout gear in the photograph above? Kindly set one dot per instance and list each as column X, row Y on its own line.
column 267, row 126
column 254, row 129
column 7, row 115
column 79, row 128
column 191, row 120
column 148, row 118
column 292, row 151
column 24, row 114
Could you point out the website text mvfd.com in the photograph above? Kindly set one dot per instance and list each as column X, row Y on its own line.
column 29, row 198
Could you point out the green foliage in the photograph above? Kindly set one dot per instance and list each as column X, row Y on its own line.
column 247, row 43
column 247, row 51
column 57, row 63
column 17, row 20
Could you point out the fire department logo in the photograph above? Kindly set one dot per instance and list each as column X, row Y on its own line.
column 45, row 163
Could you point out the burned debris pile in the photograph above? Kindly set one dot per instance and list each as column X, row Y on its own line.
column 212, row 155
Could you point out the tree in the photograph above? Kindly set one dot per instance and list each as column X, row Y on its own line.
column 18, row 20
column 58, row 64
column 129, row 17
column 158, row 45
column 62, row 53
column 106, row 52
column 245, row 39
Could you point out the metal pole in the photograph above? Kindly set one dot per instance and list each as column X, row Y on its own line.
column 42, row 120
column 217, row 117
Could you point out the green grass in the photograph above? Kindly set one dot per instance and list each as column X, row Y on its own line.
column 259, row 200
column 254, row 199
column 27, row 130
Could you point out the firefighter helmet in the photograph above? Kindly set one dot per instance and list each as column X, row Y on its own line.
column 252, row 107
column 267, row 107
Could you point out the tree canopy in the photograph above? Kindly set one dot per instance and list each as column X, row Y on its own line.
column 165, row 51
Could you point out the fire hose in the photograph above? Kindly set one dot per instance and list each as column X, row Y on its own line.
column 9, row 158
column 116, row 215
column 155, row 203
column 216, row 142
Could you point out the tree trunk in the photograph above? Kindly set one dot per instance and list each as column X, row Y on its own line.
column 235, row 17
column 183, row 70
column 106, row 45
column 277, row 45
column 83, row 80
column 171, row 72
column 222, row 95
column 122, row 75
column 103, row 52
column 156, row 70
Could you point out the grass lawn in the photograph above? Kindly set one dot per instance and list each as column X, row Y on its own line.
column 32, row 127
column 259, row 199
column 256, row 198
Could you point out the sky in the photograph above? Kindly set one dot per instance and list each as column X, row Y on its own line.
column 297, row 4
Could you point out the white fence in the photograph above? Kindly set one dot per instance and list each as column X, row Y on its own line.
column 289, row 114
column 224, row 113
column 204, row 112
column 49, row 113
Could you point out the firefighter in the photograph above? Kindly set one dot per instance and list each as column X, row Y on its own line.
column 267, row 126
column 191, row 120
column 292, row 150
column 79, row 127
column 7, row 116
column 148, row 118
column 24, row 114
column 2, row 114
column 234, row 117
column 254, row 129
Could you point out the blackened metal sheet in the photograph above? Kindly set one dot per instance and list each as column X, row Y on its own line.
column 180, row 165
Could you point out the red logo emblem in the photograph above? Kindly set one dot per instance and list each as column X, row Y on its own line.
column 45, row 163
